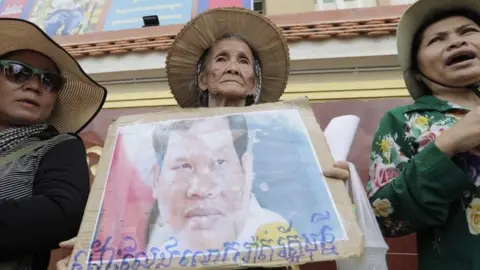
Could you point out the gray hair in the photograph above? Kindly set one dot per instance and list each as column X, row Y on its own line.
column 251, row 99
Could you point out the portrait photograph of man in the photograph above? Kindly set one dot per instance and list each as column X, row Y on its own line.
column 199, row 184
column 203, row 184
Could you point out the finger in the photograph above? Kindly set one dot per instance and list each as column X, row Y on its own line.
column 337, row 173
column 68, row 244
column 66, row 252
column 341, row 164
column 62, row 264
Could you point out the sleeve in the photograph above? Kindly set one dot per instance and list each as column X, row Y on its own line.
column 409, row 192
column 54, row 212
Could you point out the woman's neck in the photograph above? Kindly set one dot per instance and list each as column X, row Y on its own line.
column 467, row 99
column 222, row 101
column 4, row 126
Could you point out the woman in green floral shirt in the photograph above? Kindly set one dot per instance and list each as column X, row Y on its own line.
column 425, row 160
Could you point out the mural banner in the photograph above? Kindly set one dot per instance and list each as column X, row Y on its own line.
column 128, row 14
column 16, row 8
column 71, row 17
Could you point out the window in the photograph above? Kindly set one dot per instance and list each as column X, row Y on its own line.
column 344, row 4
column 325, row 4
column 259, row 6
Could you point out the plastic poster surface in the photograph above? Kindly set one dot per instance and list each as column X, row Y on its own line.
column 209, row 188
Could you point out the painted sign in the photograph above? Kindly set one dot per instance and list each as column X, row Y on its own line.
column 71, row 17
column 127, row 14
column 67, row 17
column 16, row 8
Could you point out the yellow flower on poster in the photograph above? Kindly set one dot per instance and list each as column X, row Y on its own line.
column 271, row 231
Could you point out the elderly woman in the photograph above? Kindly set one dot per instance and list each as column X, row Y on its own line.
column 229, row 57
column 425, row 163
column 46, row 99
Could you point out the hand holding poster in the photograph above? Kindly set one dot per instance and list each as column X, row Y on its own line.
column 227, row 187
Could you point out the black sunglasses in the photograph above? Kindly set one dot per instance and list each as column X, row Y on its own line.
column 18, row 72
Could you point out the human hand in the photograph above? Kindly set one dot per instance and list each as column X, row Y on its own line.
column 67, row 249
column 462, row 136
column 339, row 170
column 69, row 244
column 63, row 263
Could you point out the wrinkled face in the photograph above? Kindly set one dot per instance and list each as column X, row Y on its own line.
column 229, row 70
column 25, row 102
column 203, row 185
column 449, row 52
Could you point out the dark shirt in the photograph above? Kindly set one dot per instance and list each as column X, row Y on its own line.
column 32, row 226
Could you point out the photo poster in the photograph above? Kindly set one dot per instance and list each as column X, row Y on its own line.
column 216, row 188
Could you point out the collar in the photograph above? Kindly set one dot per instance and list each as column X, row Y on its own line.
column 431, row 103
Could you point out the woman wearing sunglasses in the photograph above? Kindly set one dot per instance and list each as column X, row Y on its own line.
column 45, row 100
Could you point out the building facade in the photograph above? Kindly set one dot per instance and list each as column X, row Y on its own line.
column 343, row 58
column 279, row 7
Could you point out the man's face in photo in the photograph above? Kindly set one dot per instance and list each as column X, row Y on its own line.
column 203, row 184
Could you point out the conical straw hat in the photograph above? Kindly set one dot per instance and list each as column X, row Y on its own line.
column 202, row 32
column 80, row 99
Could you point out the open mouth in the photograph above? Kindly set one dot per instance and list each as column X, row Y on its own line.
column 460, row 57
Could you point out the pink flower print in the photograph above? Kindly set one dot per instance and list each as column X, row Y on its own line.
column 429, row 136
column 426, row 138
column 383, row 174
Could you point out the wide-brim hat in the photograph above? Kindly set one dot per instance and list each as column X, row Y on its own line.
column 413, row 18
column 80, row 98
column 202, row 32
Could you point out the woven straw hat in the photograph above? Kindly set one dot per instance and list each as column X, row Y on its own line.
column 80, row 99
column 202, row 31
column 413, row 18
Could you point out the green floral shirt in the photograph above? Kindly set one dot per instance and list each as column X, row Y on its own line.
column 415, row 188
